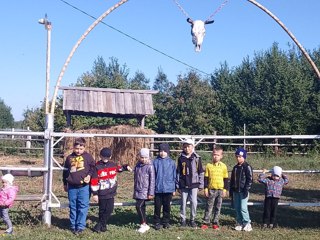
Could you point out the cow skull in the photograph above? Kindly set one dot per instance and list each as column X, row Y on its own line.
column 198, row 32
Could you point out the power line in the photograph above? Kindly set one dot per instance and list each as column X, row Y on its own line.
column 135, row 39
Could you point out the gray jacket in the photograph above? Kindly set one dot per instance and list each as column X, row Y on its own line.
column 144, row 181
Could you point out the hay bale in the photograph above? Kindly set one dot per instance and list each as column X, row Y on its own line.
column 124, row 150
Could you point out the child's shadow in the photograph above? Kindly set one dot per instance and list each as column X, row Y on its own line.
column 119, row 217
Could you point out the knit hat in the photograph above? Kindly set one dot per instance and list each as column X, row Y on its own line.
column 277, row 171
column 164, row 147
column 188, row 141
column 241, row 152
column 105, row 152
column 144, row 152
column 8, row 178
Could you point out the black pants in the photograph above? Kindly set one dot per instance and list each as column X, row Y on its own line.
column 270, row 210
column 141, row 210
column 162, row 200
column 105, row 210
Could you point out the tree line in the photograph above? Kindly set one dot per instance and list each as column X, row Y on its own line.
column 274, row 93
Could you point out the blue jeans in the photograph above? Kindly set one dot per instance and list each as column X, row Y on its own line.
column 78, row 204
column 189, row 194
column 241, row 207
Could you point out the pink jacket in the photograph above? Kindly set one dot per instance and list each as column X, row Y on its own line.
column 8, row 195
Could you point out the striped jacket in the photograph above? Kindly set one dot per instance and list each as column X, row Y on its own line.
column 104, row 180
column 273, row 188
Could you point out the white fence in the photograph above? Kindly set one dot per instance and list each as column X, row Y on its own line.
column 49, row 200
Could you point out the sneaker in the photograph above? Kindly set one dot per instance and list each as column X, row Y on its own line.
column 97, row 228
column 9, row 231
column 183, row 223
column 79, row 232
column 143, row 228
column 265, row 226
column 204, row 227
column 238, row 227
column 104, row 228
column 166, row 225
column 247, row 227
column 157, row 226
column 215, row 226
column 271, row 226
column 193, row 224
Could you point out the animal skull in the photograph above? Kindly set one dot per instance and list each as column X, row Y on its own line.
column 198, row 32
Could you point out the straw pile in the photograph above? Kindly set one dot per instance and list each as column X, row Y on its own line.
column 124, row 150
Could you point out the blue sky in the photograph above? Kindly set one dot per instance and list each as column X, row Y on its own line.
column 240, row 30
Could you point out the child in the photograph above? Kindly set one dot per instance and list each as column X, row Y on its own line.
column 76, row 178
column 165, row 174
column 273, row 189
column 144, row 183
column 215, row 185
column 240, row 184
column 8, row 194
column 104, row 187
column 190, row 176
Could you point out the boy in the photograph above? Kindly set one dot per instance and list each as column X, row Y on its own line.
column 215, row 185
column 273, row 189
column 104, row 187
column 240, row 184
column 189, row 179
column 144, row 184
column 76, row 178
column 165, row 173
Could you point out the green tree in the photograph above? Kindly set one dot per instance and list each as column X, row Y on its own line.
column 162, row 102
column 194, row 106
column 105, row 76
column 271, row 94
column 139, row 82
column 6, row 118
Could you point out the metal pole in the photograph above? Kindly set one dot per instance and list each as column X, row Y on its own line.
column 47, row 176
column 48, row 139
column 48, row 27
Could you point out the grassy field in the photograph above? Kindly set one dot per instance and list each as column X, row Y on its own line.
column 294, row 222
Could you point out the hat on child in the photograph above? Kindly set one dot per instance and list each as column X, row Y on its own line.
column 8, row 178
column 241, row 152
column 164, row 147
column 144, row 152
column 188, row 141
column 277, row 171
column 105, row 152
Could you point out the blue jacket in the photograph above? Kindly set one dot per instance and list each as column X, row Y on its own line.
column 165, row 169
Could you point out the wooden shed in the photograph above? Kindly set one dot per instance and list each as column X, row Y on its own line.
column 107, row 102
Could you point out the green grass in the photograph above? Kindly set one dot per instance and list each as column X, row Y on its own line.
column 294, row 222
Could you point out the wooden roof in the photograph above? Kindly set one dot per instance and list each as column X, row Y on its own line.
column 107, row 101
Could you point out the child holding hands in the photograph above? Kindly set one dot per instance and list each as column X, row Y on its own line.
column 144, row 185
column 273, row 189
column 104, row 186
column 8, row 194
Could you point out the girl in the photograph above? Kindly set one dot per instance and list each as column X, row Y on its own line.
column 8, row 194
column 144, row 184
column 273, row 189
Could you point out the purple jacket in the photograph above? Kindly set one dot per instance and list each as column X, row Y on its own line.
column 8, row 195
column 273, row 188
column 144, row 181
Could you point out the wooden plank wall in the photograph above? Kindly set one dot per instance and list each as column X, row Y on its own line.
column 123, row 103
